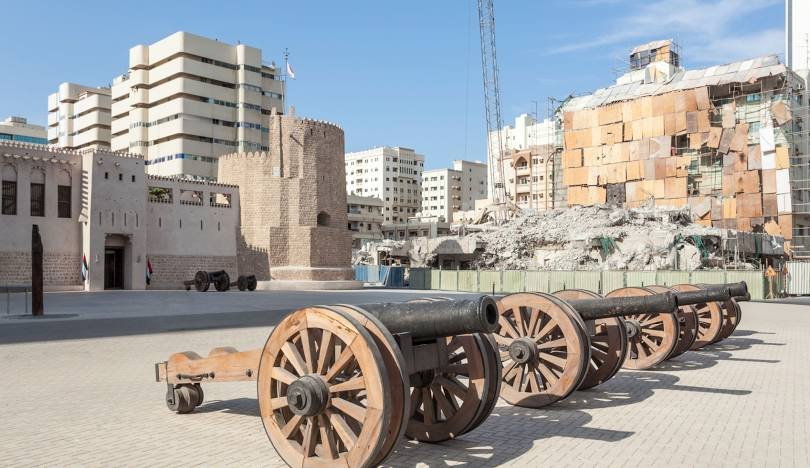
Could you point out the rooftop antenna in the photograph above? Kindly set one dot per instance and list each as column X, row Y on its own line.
column 284, row 81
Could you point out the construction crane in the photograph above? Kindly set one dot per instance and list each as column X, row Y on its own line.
column 492, row 102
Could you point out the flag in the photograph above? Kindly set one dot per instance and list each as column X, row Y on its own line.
column 84, row 268
column 148, row 271
column 290, row 71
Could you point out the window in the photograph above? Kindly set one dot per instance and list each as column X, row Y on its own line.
column 37, row 199
column 9, row 197
column 63, row 201
column 133, row 177
column 120, row 176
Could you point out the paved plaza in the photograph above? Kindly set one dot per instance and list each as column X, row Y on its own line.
column 89, row 397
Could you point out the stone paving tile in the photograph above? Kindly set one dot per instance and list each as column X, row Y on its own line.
column 743, row 402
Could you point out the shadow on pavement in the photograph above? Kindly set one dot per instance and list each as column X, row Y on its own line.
column 478, row 449
column 243, row 406
column 628, row 387
column 19, row 332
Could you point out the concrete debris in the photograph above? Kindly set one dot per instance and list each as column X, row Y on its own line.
column 598, row 238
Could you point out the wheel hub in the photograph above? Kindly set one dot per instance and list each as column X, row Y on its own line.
column 308, row 396
column 523, row 350
column 633, row 327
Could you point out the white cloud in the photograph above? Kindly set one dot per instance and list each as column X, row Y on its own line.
column 709, row 25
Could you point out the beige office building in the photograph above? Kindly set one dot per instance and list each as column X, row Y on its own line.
column 187, row 100
column 393, row 175
column 79, row 117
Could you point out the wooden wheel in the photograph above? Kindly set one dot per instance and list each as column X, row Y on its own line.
column 544, row 349
column 322, row 390
column 608, row 339
column 445, row 402
column 687, row 325
column 398, row 382
column 710, row 318
column 202, row 281
column 654, row 337
column 731, row 317
column 493, row 380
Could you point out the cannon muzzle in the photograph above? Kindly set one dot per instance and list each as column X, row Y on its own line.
column 592, row 309
column 738, row 291
column 709, row 294
column 427, row 320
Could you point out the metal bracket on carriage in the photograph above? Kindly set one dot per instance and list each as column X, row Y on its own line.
column 223, row 364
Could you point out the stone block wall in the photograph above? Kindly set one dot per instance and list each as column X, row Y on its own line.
column 60, row 270
column 169, row 271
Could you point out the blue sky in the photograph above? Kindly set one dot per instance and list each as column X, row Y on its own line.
column 390, row 73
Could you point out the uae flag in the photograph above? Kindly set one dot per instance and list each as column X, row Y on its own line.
column 84, row 268
column 290, row 71
column 148, row 271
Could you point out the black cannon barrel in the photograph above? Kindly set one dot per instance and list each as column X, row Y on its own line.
column 709, row 294
column 426, row 320
column 737, row 290
column 592, row 309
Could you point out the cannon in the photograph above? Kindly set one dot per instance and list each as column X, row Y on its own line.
column 245, row 283
column 554, row 344
column 341, row 384
column 203, row 279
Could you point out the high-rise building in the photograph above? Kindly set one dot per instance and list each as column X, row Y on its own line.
column 365, row 219
column 18, row 129
column 187, row 100
column 446, row 191
column 79, row 117
column 392, row 174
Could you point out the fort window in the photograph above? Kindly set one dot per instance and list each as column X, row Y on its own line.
column 121, row 177
column 63, row 201
column 106, row 175
column 38, row 192
column 323, row 219
column 201, row 225
column 133, row 178
column 9, row 193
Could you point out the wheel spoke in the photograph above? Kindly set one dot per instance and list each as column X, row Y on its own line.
column 507, row 327
column 346, row 434
column 442, row 401
column 278, row 403
column 452, row 385
column 292, row 354
column 654, row 320
column 327, row 437
column 357, row 383
column 309, row 437
column 534, row 318
column 596, row 352
column 558, row 361
column 283, row 375
column 654, row 332
column 519, row 321
column 653, row 346
column 551, row 325
column 642, row 353
column 291, row 425
column 340, row 363
column 307, row 344
column 558, row 343
column 548, row 375
column 462, row 369
column 519, row 380
column 507, row 369
column 429, row 412
column 326, row 352
column 502, row 340
column 354, row 411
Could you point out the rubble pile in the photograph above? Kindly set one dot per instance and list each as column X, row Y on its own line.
column 597, row 238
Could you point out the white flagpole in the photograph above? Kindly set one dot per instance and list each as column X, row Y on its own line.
column 284, row 80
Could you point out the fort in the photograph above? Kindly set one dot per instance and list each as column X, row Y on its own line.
column 280, row 215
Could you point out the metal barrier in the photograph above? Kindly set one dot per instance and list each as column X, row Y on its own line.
column 8, row 289
column 504, row 281
column 388, row 276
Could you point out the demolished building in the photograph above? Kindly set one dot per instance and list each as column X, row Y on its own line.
column 726, row 142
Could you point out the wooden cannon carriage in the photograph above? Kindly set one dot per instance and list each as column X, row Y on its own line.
column 554, row 344
column 340, row 385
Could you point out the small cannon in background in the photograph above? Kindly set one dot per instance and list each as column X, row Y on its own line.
column 342, row 384
column 221, row 280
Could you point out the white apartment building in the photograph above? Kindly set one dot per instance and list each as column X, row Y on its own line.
column 79, row 117
column 526, row 133
column 18, row 129
column 393, row 175
column 447, row 191
column 187, row 100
